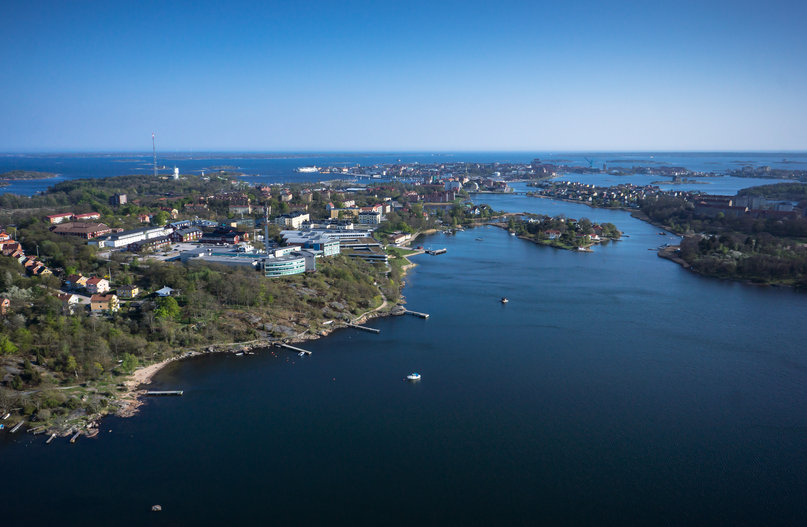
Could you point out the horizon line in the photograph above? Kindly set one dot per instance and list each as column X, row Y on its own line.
column 404, row 151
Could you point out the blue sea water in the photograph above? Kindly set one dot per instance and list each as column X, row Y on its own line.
column 614, row 388
column 274, row 168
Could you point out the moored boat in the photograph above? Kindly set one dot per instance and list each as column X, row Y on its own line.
column 414, row 376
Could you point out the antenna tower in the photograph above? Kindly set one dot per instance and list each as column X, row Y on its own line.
column 154, row 153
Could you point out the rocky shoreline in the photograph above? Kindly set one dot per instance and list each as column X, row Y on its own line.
column 132, row 398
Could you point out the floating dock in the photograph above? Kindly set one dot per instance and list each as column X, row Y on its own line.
column 415, row 313
column 365, row 328
column 165, row 392
column 17, row 426
column 435, row 252
column 298, row 350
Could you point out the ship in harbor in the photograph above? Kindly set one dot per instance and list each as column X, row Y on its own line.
column 307, row 170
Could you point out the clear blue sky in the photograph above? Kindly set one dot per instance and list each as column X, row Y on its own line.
column 409, row 75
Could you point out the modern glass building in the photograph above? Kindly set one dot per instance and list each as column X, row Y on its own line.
column 283, row 266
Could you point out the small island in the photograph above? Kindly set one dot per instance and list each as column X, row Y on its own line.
column 562, row 233
column 20, row 175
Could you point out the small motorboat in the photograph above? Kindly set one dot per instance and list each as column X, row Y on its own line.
column 6, row 416
column 413, row 377
column 479, row 239
column 504, row 300
column 301, row 354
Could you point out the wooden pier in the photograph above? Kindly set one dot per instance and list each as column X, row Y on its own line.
column 415, row 313
column 51, row 438
column 298, row 350
column 75, row 437
column 365, row 328
column 17, row 426
column 164, row 392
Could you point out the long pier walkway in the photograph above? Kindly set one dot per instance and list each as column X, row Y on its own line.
column 293, row 348
column 365, row 328
column 415, row 313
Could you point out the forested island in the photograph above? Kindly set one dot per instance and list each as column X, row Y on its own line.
column 17, row 175
column 562, row 233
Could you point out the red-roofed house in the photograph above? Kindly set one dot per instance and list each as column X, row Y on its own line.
column 88, row 216
column 104, row 302
column 97, row 285
column 75, row 280
column 59, row 218
column 10, row 247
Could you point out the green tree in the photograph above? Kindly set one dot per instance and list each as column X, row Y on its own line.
column 6, row 346
column 129, row 363
column 167, row 308
column 71, row 365
column 161, row 218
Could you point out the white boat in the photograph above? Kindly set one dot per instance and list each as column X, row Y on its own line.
column 504, row 300
column 413, row 377
column 307, row 170
column 6, row 416
column 301, row 354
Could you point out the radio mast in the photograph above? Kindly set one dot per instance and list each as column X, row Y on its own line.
column 154, row 153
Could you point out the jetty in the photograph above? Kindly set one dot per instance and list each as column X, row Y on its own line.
column 293, row 348
column 51, row 438
column 164, row 392
column 435, row 252
column 415, row 313
column 75, row 437
column 365, row 328
column 17, row 426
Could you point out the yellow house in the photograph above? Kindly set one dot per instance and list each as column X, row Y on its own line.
column 104, row 302
column 128, row 291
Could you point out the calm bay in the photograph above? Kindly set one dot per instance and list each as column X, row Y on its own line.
column 615, row 387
